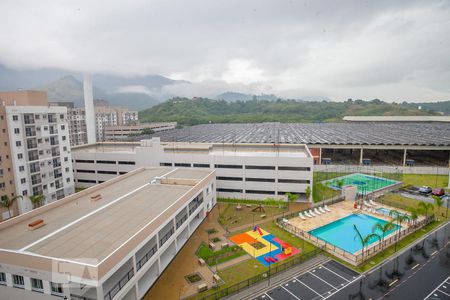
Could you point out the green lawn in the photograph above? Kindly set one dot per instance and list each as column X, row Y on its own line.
column 287, row 237
column 217, row 257
column 399, row 201
column 232, row 218
column 426, row 179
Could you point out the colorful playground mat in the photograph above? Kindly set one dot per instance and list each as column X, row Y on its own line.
column 263, row 246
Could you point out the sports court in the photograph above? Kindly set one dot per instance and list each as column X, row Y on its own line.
column 321, row 282
column 365, row 183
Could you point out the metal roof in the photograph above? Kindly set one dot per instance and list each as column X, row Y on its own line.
column 350, row 133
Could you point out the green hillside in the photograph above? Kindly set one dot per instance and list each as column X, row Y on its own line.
column 199, row 111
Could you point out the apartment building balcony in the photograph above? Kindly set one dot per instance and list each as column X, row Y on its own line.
column 34, row 168
column 56, row 162
column 28, row 119
column 36, row 181
column 33, row 155
column 58, row 184
column 55, row 152
column 31, row 143
column 118, row 280
column 51, row 119
column 53, row 130
column 57, row 173
column 54, row 141
column 37, row 190
column 30, row 131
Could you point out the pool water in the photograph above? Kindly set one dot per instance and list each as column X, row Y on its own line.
column 365, row 183
column 342, row 234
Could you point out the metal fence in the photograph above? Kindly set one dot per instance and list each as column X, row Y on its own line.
column 245, row 284
column 387, row 172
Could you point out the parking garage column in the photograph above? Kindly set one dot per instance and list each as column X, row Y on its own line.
column 361, row 155
column 404, row 157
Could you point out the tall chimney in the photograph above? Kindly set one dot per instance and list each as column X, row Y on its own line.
column 89, row 108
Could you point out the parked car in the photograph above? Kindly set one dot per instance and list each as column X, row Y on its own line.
column 438, row 192
column 425, row 190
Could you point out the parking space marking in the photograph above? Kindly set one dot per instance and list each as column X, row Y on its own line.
column 351, row 282
column 438, row 288
column 323, row 280
column 309, row 287
column 335, row 273
column 290, row 292
column 267, row 296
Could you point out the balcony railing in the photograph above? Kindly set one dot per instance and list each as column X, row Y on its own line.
column 181, row 221
column 146, row 257
column 37, row 181
column 56, row 153
column 30, row 132
column 193, row 208
column 166, row 236
column 118, row 286
column 53, row 131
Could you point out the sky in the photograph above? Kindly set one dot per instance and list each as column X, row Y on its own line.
column 391, row 50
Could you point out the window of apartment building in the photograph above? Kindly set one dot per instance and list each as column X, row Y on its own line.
column 37, row 117
column 127, row 163
column 6, row 144
column 201, row 165
column 229, row 178
column 165, row 164
column 23, row 180
column 2, row 185
column 46, row 140
column 294, row 168
column 293, row 181
column 18, row 281
column 229, row 190
column 16, row 130
column 182, row 165
column 260, row 192
column 66, row 159
column 1, row 172
column 56, row 289
column 1, row 117
column 36, row 285
column 39, row 141
column 19, row 156
column 228, row 166
column 65, row 148
column 63, row 137
column 21, row 168
column 260, row 167
column 63, row 127
column 4, row 130
column 2, row 278
column 67, row 179
column 45, row 128
column 67, row 170
column 24, row 192
column 61, row 116
column 110, row 162
column 44, row 116
column 260, row 179
column 15, row 118
column 107, row 172
column 18, row 143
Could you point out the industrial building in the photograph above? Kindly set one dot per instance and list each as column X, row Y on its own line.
column 120, row 132
column 111, row 241
column 405, row 144
column 244, row 171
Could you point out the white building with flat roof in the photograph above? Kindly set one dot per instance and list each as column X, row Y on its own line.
column 245, row 171
column 110, row 241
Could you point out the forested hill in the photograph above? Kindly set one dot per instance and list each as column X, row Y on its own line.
column 199, row 111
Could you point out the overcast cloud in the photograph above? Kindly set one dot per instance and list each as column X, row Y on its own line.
column 392, row 50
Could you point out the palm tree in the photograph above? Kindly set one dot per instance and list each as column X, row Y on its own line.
column 414, row 215
column 364, row 240
column 7, row 202
column 399, row 218
column 438, row 202
column 383, row 228
column 36, row 200
column 308, row 192
column 425, row 207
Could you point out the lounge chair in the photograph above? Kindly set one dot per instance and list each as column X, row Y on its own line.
column 285, row 220
column 322, row 210
column 373, row 202
column 312, row 213
column 307, row 214
column 367, row 204
column 326, row 208
column 317, row 211
column 301, row 216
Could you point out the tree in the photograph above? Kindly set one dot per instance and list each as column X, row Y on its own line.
column 399, row 218
column 364, row 240
column 7, row 202
column 340, row 183
column 383, row 228
column 425, row 207
column 414, row 215
column 438, row 202
column 291, row 198
column 308, row 192
column 36, row 200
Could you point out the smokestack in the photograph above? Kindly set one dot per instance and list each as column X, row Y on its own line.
column 89, row 108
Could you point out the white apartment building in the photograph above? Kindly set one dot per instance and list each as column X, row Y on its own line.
column 40, row 152
column 35, row 154
column 106, row 116
column 110, row 241
column 77, row 126
column 245, row 171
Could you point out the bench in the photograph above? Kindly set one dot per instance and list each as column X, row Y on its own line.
column 96, row 197
column 202, row 287
column 201, row 262
column 216, row 278
column 263, row 216
column 212, row 246
column 238, row 207
column 36, row 224
column 225, row 245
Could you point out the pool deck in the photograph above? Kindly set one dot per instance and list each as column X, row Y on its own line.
column 339, row 211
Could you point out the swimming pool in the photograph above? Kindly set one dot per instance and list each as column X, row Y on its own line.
column 341, row 233
column 365, row 183
column 386, row 211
